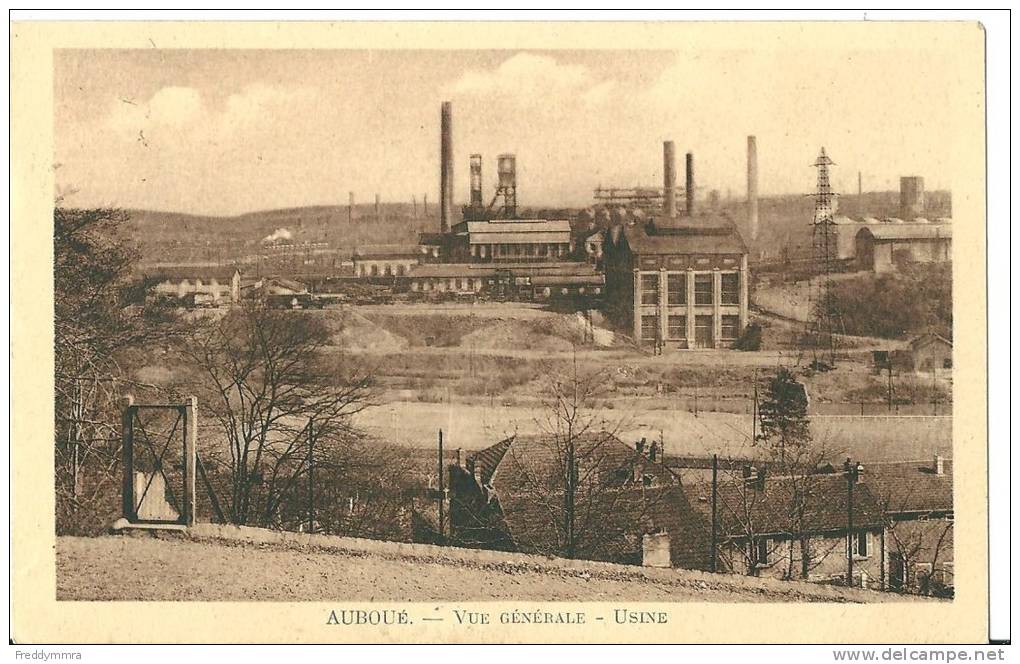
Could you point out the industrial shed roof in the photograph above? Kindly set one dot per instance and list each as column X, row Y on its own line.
column 517, row 225
column 522, row 231
column 568, row 280
column 179, row 273
column 905, row 231
column 713, row 240
column 387, row 250
column 557, row 271
column 453, row 270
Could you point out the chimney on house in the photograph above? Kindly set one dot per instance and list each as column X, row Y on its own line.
column 653, row 451
column 655, row 549
column 668, row 179
column 940, row 465
column 446, row 168
column 854, row 470
column 690, row 184
column 640, row 446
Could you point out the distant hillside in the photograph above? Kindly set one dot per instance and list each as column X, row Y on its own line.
column 784, row 223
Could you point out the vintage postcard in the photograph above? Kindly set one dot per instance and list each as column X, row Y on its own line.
column 522, row 332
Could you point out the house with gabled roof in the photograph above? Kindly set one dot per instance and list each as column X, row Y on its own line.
column 627, row 508
column 917, row 498
column 794, row 527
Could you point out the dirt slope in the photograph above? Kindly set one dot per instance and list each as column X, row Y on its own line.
column 146, row 568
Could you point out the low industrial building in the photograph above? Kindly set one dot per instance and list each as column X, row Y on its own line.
column 198, row 286
column 931, row 353
column 527, row 281
column 886, row 247
column 386, row 260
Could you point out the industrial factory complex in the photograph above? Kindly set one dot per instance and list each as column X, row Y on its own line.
column 672, row 272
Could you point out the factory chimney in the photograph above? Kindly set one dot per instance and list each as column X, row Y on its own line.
column 669, row 179
column 446, row 168
column 690, row 184
column 378, row 215
column 476, row 181
column 911, row 197
column 350, row 207
column 425, row 205
column 752, row 187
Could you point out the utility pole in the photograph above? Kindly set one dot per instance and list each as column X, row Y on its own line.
column 754, row 410
column 715, row 517
column 442, row 488
column 311, row 477
column 889, row 389
column 851, row 477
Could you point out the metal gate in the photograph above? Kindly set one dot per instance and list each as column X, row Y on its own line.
column 159, row 462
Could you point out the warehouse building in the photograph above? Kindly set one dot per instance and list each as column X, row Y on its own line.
column 386, row 260
column 886, row 247
column 515, row 240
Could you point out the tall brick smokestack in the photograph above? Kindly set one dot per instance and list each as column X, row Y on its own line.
column 668, row 179
column 446, row 168
column 752, row 187
column 690, row 184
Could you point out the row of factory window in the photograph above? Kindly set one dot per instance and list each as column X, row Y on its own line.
column 704, row 331
column 523, row 250
column 385, row 270
column 704, row 288
column 448, row 284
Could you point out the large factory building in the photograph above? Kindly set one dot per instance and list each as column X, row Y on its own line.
column 492, row 248
column 682, row 281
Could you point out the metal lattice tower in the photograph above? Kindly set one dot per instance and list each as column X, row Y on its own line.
column 823, row 240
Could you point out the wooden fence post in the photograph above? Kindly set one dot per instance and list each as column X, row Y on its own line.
column 127, row 458
column 190, row 470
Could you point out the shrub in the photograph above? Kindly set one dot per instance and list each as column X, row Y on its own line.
column 750, row 339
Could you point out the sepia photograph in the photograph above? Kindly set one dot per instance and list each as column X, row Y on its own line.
column 416, row 326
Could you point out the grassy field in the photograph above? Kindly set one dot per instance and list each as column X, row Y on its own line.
column 475, row 426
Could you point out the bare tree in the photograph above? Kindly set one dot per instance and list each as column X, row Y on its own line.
column 99, row 315
column 280, row 408
column 581, row 491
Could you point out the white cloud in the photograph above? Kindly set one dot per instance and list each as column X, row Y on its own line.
column 527, row 76
column 181, row 108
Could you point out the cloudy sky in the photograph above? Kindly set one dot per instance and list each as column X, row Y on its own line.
column 232, row 131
